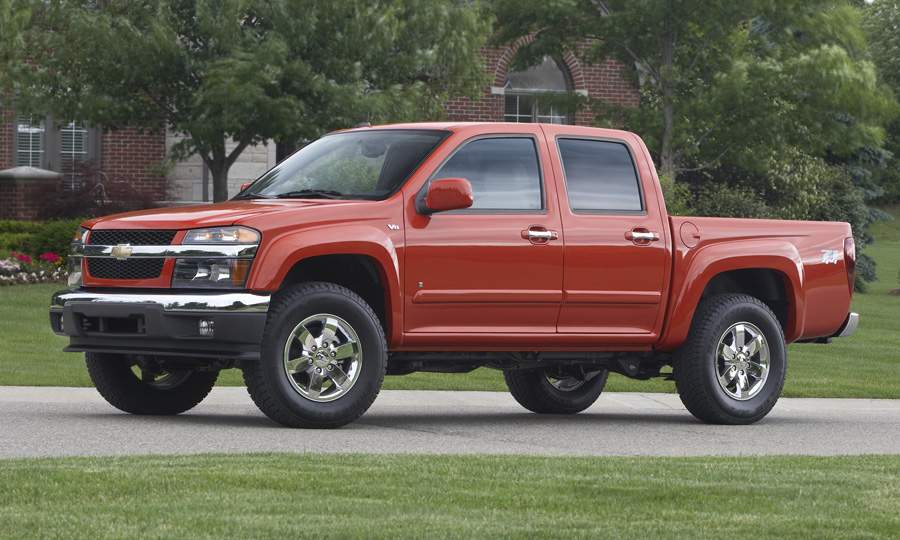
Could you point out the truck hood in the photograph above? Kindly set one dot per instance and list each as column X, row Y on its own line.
column 206, row 215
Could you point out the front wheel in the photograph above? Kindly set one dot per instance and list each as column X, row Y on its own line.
column 139, row 385
column 323, row 360
column 732, row 367
column 553, row 391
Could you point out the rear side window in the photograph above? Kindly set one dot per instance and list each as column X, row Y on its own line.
column 504, row 173
column 600, row 175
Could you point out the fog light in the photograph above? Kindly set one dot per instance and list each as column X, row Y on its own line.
column 206, row 327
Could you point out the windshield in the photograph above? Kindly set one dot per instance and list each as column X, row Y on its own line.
column 369, row 164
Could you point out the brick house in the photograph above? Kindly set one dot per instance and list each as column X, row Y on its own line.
column 42, row 145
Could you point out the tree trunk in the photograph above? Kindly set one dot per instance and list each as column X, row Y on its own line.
column 220, row 184
column 666, row 82
column 667, row 152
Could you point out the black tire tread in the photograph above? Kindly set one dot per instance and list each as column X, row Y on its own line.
column 262, row 394
column 530, row 389
column 696, row 396
column 114, row 380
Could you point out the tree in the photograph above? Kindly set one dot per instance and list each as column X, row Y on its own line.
column 881, row 20
column 694, row 58
column 252, row 70
column 13, row 20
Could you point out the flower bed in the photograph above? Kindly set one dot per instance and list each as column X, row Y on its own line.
column 20, row 268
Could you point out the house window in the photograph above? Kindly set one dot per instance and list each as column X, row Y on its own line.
column 29, row 141
column 61, row 147
column 534, row 95
column 73, row 151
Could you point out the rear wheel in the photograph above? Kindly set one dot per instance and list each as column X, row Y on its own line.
column 323, row 361
column 139, row 385
column 732, row 367
column 554, row 391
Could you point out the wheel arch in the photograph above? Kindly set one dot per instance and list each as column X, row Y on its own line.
column 769, row 271
column 368, row 265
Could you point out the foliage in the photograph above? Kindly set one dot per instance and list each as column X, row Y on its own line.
column 14, row 16
column 881, row 21
column 35, row 238
column 252, row 70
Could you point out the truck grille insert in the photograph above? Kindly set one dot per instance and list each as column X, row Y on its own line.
column 134, row 238
column 127, row 269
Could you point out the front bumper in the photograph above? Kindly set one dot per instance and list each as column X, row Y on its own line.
column 154, row 323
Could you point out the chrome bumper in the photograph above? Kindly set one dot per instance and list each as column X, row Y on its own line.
column 850, row 325
column 183, row 302
column 222, row 325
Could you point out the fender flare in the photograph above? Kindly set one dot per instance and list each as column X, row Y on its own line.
column 285, row 251
column 699, row 267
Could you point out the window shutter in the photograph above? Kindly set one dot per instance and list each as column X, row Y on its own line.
column 29, row 141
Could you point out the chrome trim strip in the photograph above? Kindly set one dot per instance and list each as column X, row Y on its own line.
column 850, row 325
column 183, row 302
column 181, row 251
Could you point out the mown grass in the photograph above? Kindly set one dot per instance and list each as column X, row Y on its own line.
column 866, row 365
column 356, row 496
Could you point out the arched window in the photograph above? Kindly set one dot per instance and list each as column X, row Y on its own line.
column 529, row 94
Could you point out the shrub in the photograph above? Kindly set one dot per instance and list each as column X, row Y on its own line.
column 53, row 237
column 37, row 238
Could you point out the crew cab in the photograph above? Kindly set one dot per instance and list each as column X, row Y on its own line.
column 544, row 251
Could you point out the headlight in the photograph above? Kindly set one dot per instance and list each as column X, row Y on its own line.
column 208, row 273
column 74, row 259
column 222, row 235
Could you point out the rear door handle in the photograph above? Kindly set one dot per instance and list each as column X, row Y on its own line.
column 539, row 235
column 641, row 236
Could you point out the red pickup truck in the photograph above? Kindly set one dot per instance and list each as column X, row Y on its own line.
column 542, row 250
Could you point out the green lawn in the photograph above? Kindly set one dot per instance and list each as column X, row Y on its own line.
column 866, row 365
column 278, row 496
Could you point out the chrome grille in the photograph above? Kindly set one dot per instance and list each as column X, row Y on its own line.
column 128, row 269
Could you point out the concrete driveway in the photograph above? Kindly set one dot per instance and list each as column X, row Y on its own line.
column 76, row 421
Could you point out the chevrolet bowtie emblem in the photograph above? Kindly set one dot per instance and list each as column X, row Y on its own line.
column 121, row 251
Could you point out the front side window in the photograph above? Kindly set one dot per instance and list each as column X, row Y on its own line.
column 504, row 173
column 369, row 164
column 600, row 175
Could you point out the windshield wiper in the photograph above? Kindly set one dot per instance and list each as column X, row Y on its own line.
column 310, row 194
column 253, row 196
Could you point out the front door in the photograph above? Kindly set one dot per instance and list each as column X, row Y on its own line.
column 497, row 266
column 616, row 252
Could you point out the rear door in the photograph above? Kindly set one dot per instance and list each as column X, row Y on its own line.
column 496, row 267
column 616, row 252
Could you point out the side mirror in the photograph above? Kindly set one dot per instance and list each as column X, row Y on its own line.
column 245, row 185
column 446, row 194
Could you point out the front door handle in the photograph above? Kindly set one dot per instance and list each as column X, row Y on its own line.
column 539, row 235
column 641, row 236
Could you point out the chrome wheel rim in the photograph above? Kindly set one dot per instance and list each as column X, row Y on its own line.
column 569, row 384
column 161, row 380
column 742, row 361
column 323, row 357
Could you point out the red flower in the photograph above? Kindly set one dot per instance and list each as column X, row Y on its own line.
column 23, row 258
column 49, row 257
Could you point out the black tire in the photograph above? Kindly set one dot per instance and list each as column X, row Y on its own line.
column 113, row 377
column 267, row 381
column 532, row 389
column 696, row 362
